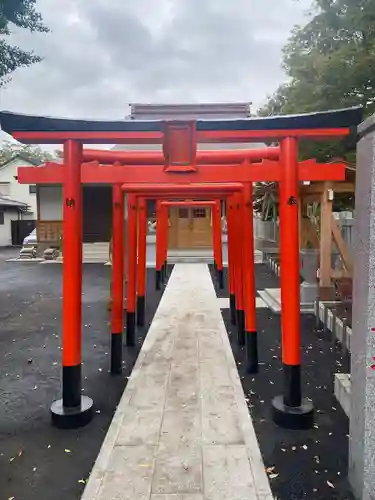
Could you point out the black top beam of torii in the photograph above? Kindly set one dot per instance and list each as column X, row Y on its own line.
column 16, row 124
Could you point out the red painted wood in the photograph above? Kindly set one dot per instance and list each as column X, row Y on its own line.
column 222, row 136
column 131, row 254
column 267, row 170
column 142, row 247
column 289, row 254
column 72, row 254
column 157, row 158
column 118, row 250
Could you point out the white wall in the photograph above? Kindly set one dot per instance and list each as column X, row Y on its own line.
column 16, row 191
column 5, row 229
column 50, row 203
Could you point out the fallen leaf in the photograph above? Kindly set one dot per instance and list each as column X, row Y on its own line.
column 330, row 484
column 20, row 453
column 270, row 469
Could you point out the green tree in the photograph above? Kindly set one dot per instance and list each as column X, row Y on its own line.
column 22, row 14
column 330, row 63
column 35, row 154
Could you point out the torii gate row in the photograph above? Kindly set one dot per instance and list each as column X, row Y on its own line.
column 180, row 141
column 239, row 273
column 161, row 255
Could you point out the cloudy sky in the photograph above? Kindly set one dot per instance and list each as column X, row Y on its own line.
column 103, row 54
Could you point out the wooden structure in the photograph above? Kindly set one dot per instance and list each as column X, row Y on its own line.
column 318, row 228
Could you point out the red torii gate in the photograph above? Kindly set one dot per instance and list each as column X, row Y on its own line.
column 179, row 141
column 138, row 192
column 217, row 244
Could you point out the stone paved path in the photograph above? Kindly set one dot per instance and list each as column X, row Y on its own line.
column 182, row 429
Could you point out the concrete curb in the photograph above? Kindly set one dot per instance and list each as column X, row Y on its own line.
column 327, row 318
column 272, row 264
column 343, row 391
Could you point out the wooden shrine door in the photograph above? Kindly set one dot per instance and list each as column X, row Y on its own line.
column 190, row 228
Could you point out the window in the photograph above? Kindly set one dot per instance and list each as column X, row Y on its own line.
column 5, row 188
column 199, row 213
column 183, row 213
column 1, row 217
column 32, row 189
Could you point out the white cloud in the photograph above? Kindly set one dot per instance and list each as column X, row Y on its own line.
column 103, row 54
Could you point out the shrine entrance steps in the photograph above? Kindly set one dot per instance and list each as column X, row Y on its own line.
column 182, row 428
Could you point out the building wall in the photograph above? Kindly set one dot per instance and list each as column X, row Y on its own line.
column 50, row 203
column 9, row 186
column 5, row 229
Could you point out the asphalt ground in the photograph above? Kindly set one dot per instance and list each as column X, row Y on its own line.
column 38, row 461
column 309, row 464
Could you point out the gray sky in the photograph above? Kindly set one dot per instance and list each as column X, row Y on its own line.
column 103, row 54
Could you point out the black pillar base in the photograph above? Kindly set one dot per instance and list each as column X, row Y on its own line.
column 292, row 417
column 116, row 353
column 252, row 352
column 232, row 304
column 71, row 417
column 220, row 278
column 241, row 327
column 130, row 329
column 141, row 308
column 157, row 280
column 164, row 273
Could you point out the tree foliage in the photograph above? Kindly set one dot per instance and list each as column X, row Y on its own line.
column 330, row 63
column 22, row 14
column 10, row 150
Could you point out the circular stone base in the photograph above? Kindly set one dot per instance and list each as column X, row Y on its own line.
column 71, row 418
column 292, row 417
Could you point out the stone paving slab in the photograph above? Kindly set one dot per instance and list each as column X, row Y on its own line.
column 182, row 430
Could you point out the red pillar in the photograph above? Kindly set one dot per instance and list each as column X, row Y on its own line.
column 249, row 281
column 118, row 249
column 73, row 410
column 237, row 224
column 289, row 409
column 231, row 259
column 142, row 251
column 165, row 230
column 159, row 245
column 132, row 270
column 218, row 242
